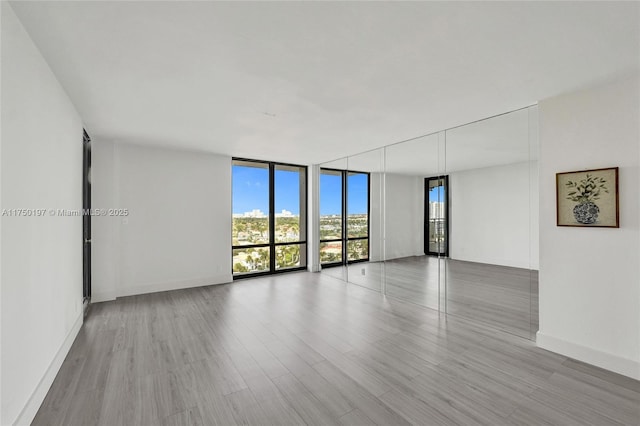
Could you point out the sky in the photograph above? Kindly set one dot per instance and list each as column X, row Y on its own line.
column 251, row 191
column 436, row 194
column 331, row 194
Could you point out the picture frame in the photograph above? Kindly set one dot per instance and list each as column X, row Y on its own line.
column 588, row 198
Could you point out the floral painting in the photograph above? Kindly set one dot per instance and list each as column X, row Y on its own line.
column 588, row 198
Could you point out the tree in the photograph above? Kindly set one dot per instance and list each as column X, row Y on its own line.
column 263, row 256
column 354, row 250
column 239, row 267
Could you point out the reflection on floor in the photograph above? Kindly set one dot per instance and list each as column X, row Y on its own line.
column 503, row 297
column 339, row 272
column 365, row 274
column 307, row 349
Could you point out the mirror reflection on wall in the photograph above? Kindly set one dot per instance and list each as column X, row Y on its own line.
column 534, row 220
column 490, row 167
column 411, row 273
column 365, row 180
column 332, row 205
column 449, row 221
column 350, row 231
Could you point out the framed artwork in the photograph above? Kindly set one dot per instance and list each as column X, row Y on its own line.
column 588, row 198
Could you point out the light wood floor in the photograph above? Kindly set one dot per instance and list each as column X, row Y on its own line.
column 502, row 297
column 306, row 348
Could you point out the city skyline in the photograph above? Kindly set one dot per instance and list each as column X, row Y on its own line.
column 257, row 213
column 250, row 192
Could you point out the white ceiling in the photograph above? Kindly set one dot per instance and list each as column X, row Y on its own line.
column 307, row 82
column 505, row 139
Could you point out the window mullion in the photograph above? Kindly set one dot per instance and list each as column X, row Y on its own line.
column 272, row 219
column 345, row 220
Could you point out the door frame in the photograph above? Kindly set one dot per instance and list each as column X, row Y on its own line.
column 86, row 219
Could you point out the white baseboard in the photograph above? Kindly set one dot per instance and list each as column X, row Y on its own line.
column 136, row 289
column 97, row 297
column 509, row 263
column 626, row 367
column 30, row 410
column 173, row 285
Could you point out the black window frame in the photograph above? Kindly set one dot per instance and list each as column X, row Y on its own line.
column 344, row 240
column 427, row 215
column 272, row 244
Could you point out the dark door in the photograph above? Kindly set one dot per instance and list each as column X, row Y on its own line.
column 436, row 238
column 86, row 218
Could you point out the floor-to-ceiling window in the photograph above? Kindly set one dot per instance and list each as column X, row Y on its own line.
column 331, row 217
column 436, row 216
column 269, row 217
column 344, row 217
column 357, row 216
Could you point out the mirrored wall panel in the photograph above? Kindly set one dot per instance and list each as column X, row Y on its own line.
column 332, row 218
column 365, row 180
column 534, row 219
column 489, row 274
column 411, row 206
column 448, row 221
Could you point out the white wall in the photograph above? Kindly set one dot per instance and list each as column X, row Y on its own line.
column 404, row 216
column 105, row 231
column 589, row 277
column 376, row 217
column 490, row 213
column 41, row 168
column 479, row 233
column 178, row 231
